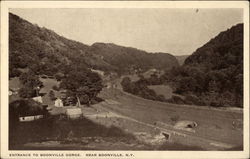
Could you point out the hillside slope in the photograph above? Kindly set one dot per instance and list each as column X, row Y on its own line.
column 128, row 59
column 223, row 51
column 46, row 52
column 214, row 72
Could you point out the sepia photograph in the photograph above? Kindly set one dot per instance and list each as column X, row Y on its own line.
column 125, row 79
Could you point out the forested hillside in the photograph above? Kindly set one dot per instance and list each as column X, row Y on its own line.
column 212, row 75
column 41, row 50
column 127, row 59
column 214, row 72
column 46, row 52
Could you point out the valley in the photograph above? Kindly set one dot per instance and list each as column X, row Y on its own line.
column 110, row 97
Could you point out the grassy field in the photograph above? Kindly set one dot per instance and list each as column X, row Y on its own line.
column 164, row 90
column 62, row 133
column 217, row 125
column 59, row 133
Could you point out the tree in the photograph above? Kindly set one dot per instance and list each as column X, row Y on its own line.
column 13, row 72
column 52, row 95
column 31, row 80
column 30, row 83
column 27, row 92
column 59, row 76
column 55, row 88
column 126, row 82
column 82, row 82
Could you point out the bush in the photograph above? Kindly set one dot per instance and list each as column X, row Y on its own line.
column 192, row 99
column 161, row 98
column 176, row 100
column 59, row 76
column 14, row 73
column 52, row 95
column 55, row 88
column 27, row 92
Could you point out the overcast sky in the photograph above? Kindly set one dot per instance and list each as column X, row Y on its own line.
column 175, row 31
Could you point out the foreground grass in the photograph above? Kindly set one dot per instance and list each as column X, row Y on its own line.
column 62, row 129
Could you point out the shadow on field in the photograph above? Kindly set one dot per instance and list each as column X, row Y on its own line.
column 56, row 128
column 179, row 147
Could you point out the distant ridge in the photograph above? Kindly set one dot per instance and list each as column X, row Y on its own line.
column 44, row 52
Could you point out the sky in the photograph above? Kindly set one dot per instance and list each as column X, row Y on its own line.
column 175, row 31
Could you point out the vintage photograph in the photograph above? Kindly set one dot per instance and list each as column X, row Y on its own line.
column 137, row 79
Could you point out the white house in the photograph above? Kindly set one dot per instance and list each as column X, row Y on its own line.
column 30, row 118
column 58, row 103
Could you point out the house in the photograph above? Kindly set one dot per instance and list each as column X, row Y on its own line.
column 58, row 103
column 33, row 114
column 30, row 118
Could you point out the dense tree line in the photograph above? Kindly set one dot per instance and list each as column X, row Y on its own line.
column 141, row 89
column 81, row 83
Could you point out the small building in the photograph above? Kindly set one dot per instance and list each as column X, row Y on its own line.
column 74, row 113
column 101, row 73
column 58, row 102
column 30, row 118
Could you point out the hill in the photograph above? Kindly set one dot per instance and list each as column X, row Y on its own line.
column 126, row 59
column 45, row 52
column 214, row 72
column 223, row 51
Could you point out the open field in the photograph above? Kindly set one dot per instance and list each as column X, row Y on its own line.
column 224, row 126
column 139, row 122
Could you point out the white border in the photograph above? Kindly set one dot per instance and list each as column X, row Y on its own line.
column 124, row 4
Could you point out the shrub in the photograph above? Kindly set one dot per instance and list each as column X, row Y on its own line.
column 176, row 100
column 59, row 76
column 192, row 99
column 52, row 95
column 15, row 73
column 56, row 88
column 175, row 118
column 27, row 92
